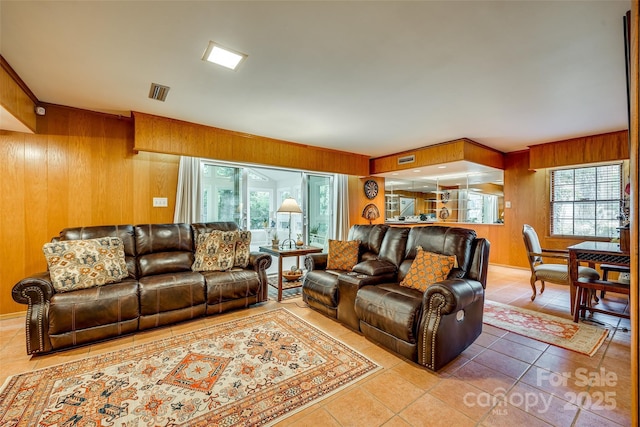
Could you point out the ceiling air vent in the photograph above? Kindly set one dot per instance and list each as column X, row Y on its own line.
column 406, row 159
column 158, row 92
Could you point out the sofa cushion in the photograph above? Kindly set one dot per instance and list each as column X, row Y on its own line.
column 428, row 268
column 390, row 308
column 322, row 286
column 374, row 267
column 243, row 248
column 82, row 264
column 370, row 237
column 95, row 307
column 229, row 285
column 343, row 254
column 163, row 248
column 215, row 251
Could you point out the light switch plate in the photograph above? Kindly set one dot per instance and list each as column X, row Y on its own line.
column 160, row 202
column 507, row 205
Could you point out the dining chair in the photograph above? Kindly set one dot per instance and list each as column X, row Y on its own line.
column 551, row 272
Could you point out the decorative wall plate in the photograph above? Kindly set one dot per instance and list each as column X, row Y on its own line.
column 370, row 189
column 444, row 198
column 370, row 212
column 444, row 213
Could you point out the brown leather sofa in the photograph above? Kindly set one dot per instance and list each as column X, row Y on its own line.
column 160, row 289
column 431, row 327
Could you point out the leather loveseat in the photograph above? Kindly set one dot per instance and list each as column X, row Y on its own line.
column 160, row 287
column 430, row 327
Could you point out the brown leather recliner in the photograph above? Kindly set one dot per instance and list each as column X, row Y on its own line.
column 431, row 327
column 160, row 289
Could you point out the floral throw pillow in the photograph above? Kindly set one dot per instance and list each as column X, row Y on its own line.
column 343, row 255
column 243, row 249
column 428, row 268
column 82, row 264
column 215, row 251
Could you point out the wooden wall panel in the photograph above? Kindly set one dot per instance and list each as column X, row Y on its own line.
column 452, row 151
column 577, row 151
column 79, row 170
column 163, row 135
column 14, row 98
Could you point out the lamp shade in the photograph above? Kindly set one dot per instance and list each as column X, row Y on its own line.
column 290, row 205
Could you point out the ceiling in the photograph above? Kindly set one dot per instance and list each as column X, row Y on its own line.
column 373, row 78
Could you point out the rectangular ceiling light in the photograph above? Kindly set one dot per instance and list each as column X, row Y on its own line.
column 223, row 56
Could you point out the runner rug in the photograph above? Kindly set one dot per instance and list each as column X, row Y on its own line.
column 251, row 371
column 578, row 337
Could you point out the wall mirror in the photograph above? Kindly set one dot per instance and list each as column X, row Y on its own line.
column 462, row 191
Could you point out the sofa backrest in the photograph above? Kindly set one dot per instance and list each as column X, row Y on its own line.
column 124, row 232
column 370, row 237
column 393, row 245
column 164, row 248
column 443, row 240
column 207, row 227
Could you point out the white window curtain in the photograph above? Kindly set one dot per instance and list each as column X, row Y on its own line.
column 188, row 191
column 341, row 202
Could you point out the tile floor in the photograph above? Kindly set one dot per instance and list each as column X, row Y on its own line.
column 502, row 379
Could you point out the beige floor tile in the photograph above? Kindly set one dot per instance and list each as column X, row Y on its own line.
column 499, row 362
column 396, row 393
column 433, row 412
column 509, row 416
column 464, row 397
column 417, row 375
column 319, row 417
column 359, row 408
column 543, row 405
column 485, row 378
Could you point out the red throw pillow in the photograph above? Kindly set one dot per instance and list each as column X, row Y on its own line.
column 343, row 255
column 428, row 268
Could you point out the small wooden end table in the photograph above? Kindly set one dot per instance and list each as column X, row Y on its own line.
column 281, row 253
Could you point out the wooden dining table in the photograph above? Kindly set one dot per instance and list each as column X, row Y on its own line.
column 594, row 253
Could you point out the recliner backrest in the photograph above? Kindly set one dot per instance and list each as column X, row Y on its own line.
column 393, row 245
column 370, row 237
column 444, row 240
column 164, row 248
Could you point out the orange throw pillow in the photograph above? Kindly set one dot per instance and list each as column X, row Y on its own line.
column 428, row 268
column 343, row 255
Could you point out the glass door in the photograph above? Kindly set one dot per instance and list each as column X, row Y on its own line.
column 319, row 209
column 221, row 193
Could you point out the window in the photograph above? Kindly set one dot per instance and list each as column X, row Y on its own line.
column 586, row 201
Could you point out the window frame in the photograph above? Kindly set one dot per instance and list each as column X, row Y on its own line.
column 618, row 201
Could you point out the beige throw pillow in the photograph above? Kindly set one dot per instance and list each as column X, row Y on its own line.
column 82, row 264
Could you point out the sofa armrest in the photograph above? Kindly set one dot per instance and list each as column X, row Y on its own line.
column 451, row 320
column 316, row 261
column 260, row 262
column 452, row 294
column 36, row 292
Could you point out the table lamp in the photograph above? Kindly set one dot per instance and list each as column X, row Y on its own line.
column 291, row 206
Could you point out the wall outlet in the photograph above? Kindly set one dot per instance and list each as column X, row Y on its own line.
column 160, row 202
column 507, row 205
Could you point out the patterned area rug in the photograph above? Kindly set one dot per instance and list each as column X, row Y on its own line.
column 248, row 372
column 578, row 337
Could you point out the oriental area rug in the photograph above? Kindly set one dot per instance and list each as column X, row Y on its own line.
column 578, row 337
column 252, row 371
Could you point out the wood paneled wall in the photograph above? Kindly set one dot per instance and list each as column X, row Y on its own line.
column 579, row 151
column 452, row 151
column 79, row 170
column 15, row 97
column 163, row 135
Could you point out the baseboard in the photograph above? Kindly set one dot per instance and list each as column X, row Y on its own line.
column 13, row 315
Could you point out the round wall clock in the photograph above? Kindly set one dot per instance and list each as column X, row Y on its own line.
column 370, row 189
